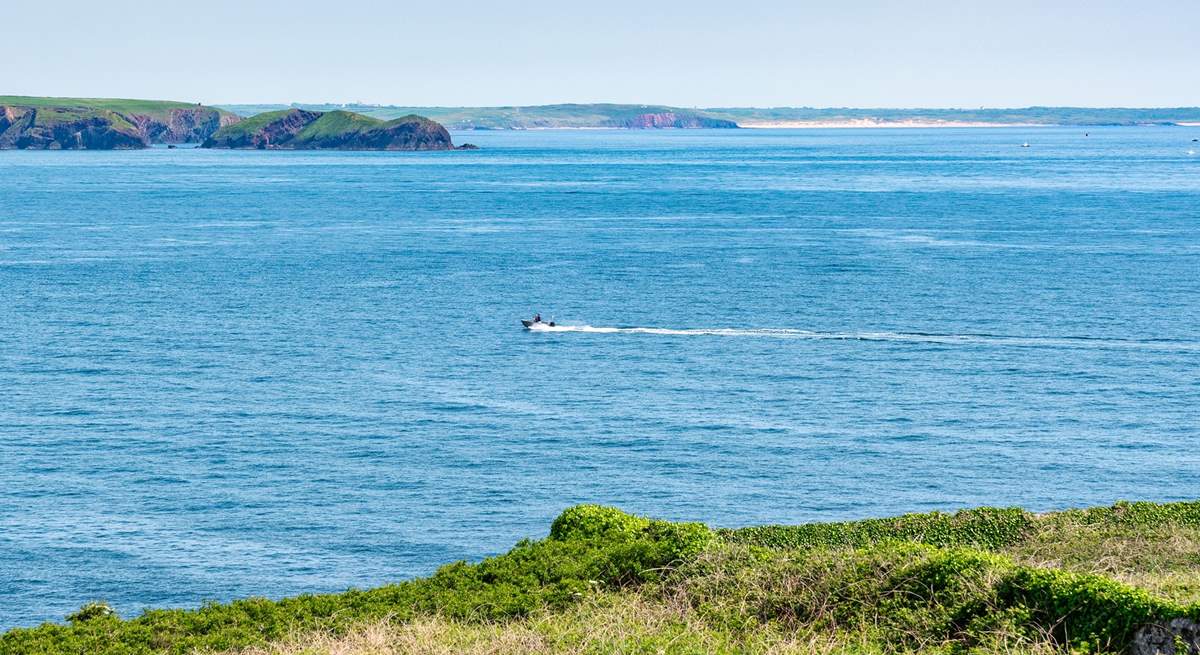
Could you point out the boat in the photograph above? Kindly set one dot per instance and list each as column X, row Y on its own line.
column 529, row 324
column 1025, row 145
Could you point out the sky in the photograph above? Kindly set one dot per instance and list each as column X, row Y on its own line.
column 700, row 53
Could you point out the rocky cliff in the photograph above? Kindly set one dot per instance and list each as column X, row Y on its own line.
column 63, row 129
column 101, row 124
column 298, row 129
column 191, row 125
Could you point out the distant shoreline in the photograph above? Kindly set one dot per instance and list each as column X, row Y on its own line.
column 867, row 123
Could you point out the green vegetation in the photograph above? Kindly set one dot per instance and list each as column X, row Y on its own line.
column 103, row 123
column 296, row 129
column 615, row 115
column 51, row 116
column 502, row 118
column 248, row 126
column 976, row 581
column 160, row 109
column 337, row 124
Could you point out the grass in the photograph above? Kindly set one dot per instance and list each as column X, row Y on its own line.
column 980, row 581
column 155, row 108
column 333, row 124
column 248, row 126
column 1163, row 559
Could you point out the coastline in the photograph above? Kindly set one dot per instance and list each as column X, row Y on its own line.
column 603, row 580
column 870, row 123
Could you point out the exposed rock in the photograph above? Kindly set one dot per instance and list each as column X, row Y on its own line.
column 66, row 129
column 1162, row 638
column 467, row 146
column 298, row 129
column 184, row 125
column 71, row 127
column 273, row 133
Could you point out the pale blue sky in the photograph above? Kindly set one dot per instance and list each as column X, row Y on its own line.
column 954, row 53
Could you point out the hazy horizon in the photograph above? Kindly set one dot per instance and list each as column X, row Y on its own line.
column 761, row 54
column 219, row 103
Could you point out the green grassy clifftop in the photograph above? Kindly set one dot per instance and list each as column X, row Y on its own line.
column 1105, row 580
column 297, row 129
column 28, row 122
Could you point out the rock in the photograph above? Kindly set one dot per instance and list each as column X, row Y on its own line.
column 298, row 129
column 467, row 146
column 61, row 128
column 76, row 124
column 1162, row 638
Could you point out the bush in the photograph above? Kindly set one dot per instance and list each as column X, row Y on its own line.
column 986, row 527
column 1084, row 611
column 589, row 547
column 596, row 521
column 1138, row 514
column 92, row 611
column 914, row 582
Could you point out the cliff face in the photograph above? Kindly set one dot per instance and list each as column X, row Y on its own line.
column 69, row 127
column 298, row 129
column 53, row 129
column 671, row 119
column 271, row 133
column 184, row 125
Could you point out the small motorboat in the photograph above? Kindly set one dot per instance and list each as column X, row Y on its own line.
column 1025, row 145
column 529, row 324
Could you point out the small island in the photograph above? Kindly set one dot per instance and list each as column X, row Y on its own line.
column 300, row 129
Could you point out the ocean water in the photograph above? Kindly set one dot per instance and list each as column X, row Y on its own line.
column 226, row 374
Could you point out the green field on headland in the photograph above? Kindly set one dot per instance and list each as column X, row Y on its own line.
column 976, row 581
column 37, row 123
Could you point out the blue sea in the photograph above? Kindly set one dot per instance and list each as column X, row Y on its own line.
column 226, row 374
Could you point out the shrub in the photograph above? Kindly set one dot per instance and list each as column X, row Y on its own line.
column 596, row 521
column 92, row 611
column 986, row 527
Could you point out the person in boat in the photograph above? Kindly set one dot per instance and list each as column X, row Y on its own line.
column 537, row 318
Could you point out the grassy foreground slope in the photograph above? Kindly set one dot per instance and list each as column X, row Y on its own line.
column 977, row 581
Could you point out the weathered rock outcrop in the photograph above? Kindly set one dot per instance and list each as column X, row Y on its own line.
column 184, row 125
column 1177, row 636
column 298, row 129
column 671, row 119
column 64, row 129
column 41, row 123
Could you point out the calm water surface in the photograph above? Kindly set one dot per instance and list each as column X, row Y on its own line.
column 246, row 373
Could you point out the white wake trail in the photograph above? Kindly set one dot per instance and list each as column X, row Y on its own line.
column 912, row 337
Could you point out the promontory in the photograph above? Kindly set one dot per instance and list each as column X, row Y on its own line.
column 104, row 123
column 300, row 129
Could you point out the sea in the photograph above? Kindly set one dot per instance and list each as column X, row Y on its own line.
column 229, row 374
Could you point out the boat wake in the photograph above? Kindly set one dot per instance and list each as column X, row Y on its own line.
column 1083, row 342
